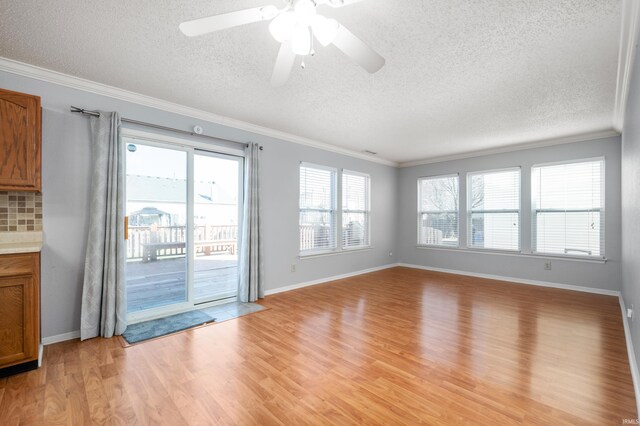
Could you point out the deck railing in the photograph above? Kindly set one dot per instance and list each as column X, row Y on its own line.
column 314, row 236
column 141, row 235
column 307, row 237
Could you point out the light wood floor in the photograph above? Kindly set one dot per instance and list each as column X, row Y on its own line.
column 399, row 346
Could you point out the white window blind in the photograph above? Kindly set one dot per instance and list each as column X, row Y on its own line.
column 568, row 208
column 438, row 211
column 317, row 208
column 493, row 204
column 355, row 209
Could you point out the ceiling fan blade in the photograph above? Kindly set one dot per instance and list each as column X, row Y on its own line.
column 283, row 66
column 222, row 22
column 358, row 50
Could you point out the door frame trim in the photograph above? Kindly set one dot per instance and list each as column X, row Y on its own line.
column 160, row 140
column 176, row 308
column 181, row 141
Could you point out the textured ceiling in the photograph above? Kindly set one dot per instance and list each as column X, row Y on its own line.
column 460, row 76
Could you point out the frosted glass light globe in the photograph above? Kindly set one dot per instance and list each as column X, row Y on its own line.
column 281, row 28
column 325, row 30
column 301, row 40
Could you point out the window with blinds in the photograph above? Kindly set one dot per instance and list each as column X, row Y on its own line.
column 568, row 208
column 438, row 211
column 317, row 208
column 355, row 209
column 493, row 205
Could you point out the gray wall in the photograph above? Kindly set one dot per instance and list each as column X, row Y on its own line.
column 66, row 180
column 66, row 155
column 586, row 274
column 631, row 205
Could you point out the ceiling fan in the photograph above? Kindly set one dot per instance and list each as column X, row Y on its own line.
column 295, row 26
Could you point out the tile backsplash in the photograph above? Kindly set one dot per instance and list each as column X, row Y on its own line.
column 20, row 211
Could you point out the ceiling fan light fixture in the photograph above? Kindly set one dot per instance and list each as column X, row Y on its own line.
column 301, row 41
column 325, row 30
column 294, row 26
column 305, row 11
column 281, row 28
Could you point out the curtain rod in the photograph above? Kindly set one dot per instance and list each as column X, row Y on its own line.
column 155, row 126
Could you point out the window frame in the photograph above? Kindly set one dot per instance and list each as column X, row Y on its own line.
column 421, row 212
column 470, row 211
column 602, row 211
column 366, row 212
column 334, row 212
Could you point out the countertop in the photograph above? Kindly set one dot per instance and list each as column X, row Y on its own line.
column 21, row 242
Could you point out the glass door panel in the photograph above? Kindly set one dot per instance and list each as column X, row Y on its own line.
column 157, row 248
column 217, row 201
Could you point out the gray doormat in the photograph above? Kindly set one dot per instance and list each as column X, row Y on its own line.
column 147, row 330
column 159, row 327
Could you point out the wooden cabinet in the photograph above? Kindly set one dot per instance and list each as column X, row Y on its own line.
column 19, row 312
column 20, row 142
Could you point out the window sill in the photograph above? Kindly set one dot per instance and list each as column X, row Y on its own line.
column 516, row 253
column 302, row 256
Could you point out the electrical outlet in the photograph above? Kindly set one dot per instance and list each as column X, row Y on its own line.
column 629, row 313
column 293, row 267
column 547, row 266
column 390, row 253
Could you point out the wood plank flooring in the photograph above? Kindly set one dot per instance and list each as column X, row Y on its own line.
column 399, row 346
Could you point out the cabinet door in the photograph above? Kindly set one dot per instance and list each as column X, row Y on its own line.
column 20, row 142
column 18, row 326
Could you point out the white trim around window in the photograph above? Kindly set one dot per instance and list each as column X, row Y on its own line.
column 356, row 235
column 313, row 241
column 318, row 209
column 440, row 208
column 496, row 235
column 589, row 202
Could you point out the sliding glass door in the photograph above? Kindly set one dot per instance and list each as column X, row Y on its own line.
column 183, row 209
column 217, row 198
column 156, row 191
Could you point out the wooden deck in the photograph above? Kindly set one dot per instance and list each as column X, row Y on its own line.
column 162, row 282
column 399, row 346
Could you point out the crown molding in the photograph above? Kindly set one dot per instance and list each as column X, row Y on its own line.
column 626, row 55
column 50, row 76
column 55, row 77
column 581, row 137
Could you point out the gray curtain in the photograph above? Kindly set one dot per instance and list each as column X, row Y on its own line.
column 251, row 283
column 104, row 307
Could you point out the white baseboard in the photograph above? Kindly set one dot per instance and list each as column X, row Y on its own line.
column 327, row 279
column 632, row 356
column 516, row 280
column 61, row 337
